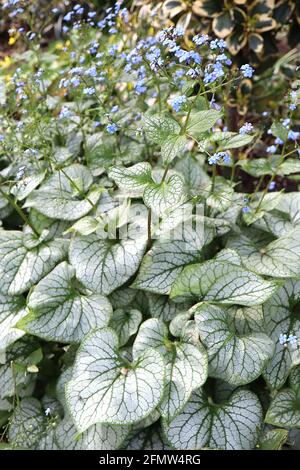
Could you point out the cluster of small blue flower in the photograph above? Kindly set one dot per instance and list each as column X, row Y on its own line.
column 285, row 340
column 216, row 157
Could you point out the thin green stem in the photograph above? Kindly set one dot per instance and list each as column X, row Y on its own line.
column 165, row 174
column 149, row 223
column 82, row 194
column 19, row 211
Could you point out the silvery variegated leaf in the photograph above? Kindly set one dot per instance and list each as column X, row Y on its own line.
column 27, row 424
column 173, row 146
column 284, row 218
column 47, row 441
column 195, row 178
column 233, row 357
column 158, row 127
column 284, row 410
column 5, row 207
column 21, row 267
column 294, row 380
column 134, row 178
column 234, row 425
column 230, row 256
column 280, row 258
column 160, row 306
column 11, row 380
column 273, row 439
column 281, row 315
column 14, row 376
column 106, row 388
column 65, row 195
column 59, row 309
column 96, row 437
column 125, row 322
column 123, row 297
column 63, row 379
column 186, row 364
column 49, row 228
column 222, row 282
column 222, row 197
column 162, row 197
column 25, row 186
column 187, row 223
column 179, row 322
column 12, row 309
column 150, row 438
column 247, row 319
column 162, row 265
column 104, row 265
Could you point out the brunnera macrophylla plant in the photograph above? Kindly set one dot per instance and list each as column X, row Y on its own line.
column 147, row 300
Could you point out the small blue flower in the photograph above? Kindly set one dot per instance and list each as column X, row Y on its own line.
column 64, row 113
column 246, row 209
column 293, row 135
column 286, row 122
column 201, row 39
column 283, row 339
column 112, row 128
column 114, row 109
column 272, row 185
column 292, row 339
column 246, row 128
column 91, row 72
column 68, row 16
column 89, row 91
column 2, row 137
column 247, row 70
column 293, row 96
column 178, row 102
column 271, row 149
column 139, row 87
column 213, row 159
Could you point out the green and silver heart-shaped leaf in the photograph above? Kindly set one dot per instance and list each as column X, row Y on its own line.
column 134, row 178
column 59, row 309
column 104, row 265
column 126, row 322
column 106, row 388
column 281, row 315
column 284, row 218
column 20, row 266
column 12, row 309
column 163, row 197
column 186, row 364
column 158, row 127
column 222, row 282
column 234, row 356
column 65, row 195
column 280, row 258
column 285, row 408
column 234, row 425
column 27, row 424
column 162, row 265
column 172, row 147
column 96, row 437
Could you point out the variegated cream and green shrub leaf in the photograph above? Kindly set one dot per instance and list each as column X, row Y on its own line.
column 149, row 254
